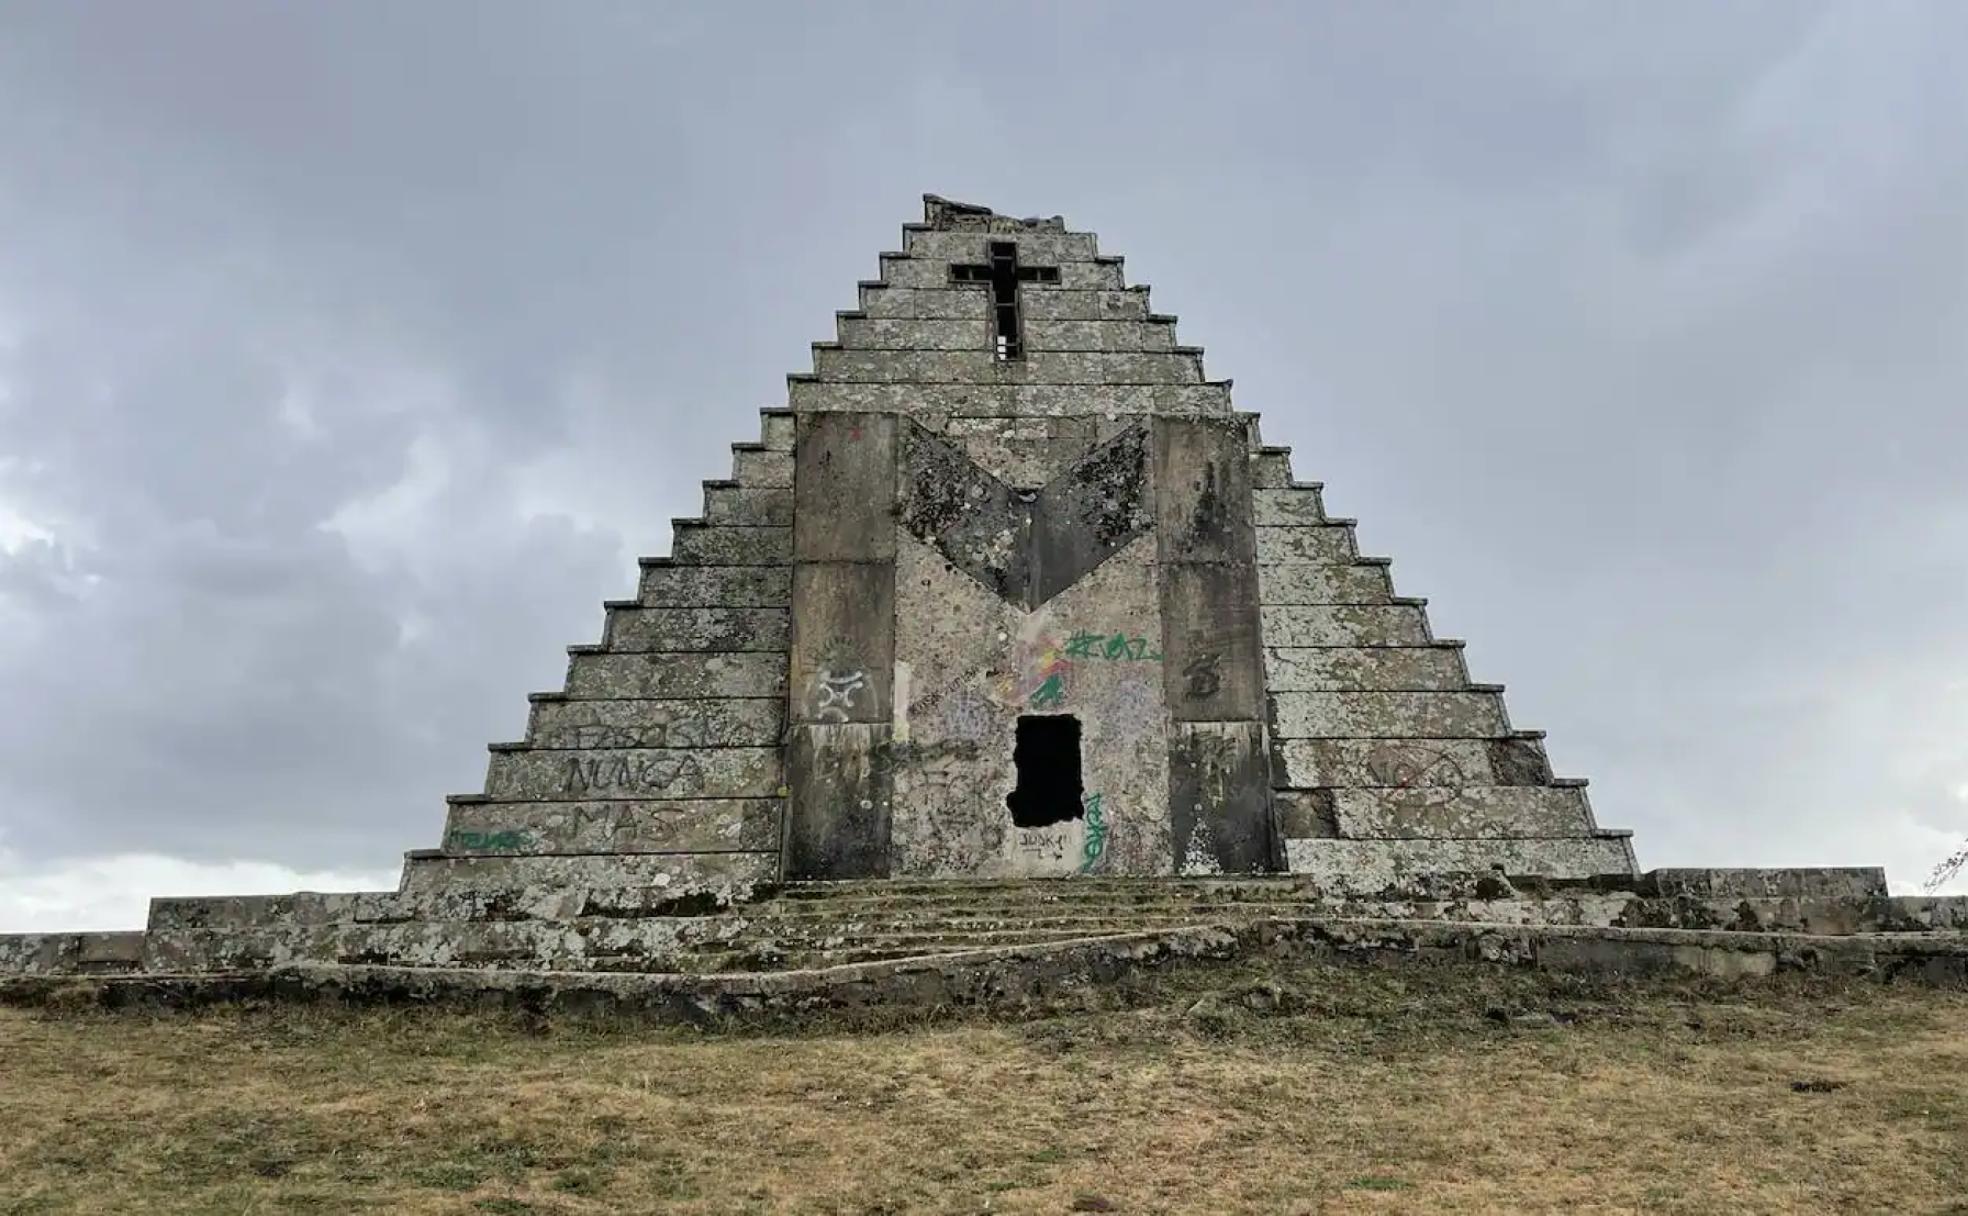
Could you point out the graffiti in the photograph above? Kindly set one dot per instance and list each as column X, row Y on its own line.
column 1043, row 844
column 1095, row 846
column 475, row 842
column 835, row 692
column 660, row 730
column 1406, row 766
column 634, row 774
column 1133, row 709
column 1118, row 647
column 895, row 757
column 1039, row 675
column 1415, row 777
column 1202, row 677
column 965, row 714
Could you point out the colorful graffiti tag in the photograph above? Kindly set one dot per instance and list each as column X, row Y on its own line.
column 1118, row 647
column 1096, row 834
column 1042, row 671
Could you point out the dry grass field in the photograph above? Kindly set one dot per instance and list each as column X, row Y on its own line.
column 1318, row 1089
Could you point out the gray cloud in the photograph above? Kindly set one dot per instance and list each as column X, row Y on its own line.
column 348, row 354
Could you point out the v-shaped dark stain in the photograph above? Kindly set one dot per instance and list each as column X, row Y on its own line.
column 1026, row 545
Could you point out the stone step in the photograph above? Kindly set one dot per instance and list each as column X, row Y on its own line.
column 667, row 722
column 1388, row 715
column 1287, row 507
column 901, row 270
column 1293, row 583
column 1410, row 764
column 1331, row 543
column 729, row 503
column 699, row 825
column 564, row 886
column 760, row 467
column 668, row 585
column 662, row 676
column 880, row 300
column 1372, row 866
column 641, row 630
column 1034, row 248
column 700, row 543
column 614, row 773
column 1436, row 666
column 980, row 365
column 1351, row 625
column 1010, row 399
column 776, row 429
column 1466, row 812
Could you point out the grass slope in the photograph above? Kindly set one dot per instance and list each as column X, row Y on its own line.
column 1318, row 1088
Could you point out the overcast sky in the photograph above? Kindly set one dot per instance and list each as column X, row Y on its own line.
column 350, row 354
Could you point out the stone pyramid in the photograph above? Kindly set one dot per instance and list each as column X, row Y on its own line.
column 1007, row 493
column 1008, row 590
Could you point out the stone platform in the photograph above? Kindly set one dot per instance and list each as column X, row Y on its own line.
column 978, row 941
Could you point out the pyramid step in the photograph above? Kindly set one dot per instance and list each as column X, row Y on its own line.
column 699, row 542
column 1331, row 543
column 1370, row 866
column 758, row 467
column 1292, row 583
column 1364, row 668
column 1465, row 812
column 626, row 825
column 606, row 774
column 1350, row 625
column 702, row 722
column 1025, row 398
column 563, row 886
column 641, row 630
column 1034, row 248
column 612, row 677
column 1287, row 507
column 1414, row 765
column 668, row 585
column 730, row 503
column 1388, row 715
column 901, row 270
column 981, row 365
column 173, row 913
column 776, row 429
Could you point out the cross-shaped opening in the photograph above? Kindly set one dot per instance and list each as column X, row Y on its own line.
column 1047, row 757
column 1004, row 274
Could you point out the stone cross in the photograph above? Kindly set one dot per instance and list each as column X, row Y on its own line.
column 1004, row 274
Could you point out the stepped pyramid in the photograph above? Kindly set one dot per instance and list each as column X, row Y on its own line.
column 1006, row 499
column 1009, row 590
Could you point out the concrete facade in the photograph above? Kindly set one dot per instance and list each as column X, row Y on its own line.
column 990, row 516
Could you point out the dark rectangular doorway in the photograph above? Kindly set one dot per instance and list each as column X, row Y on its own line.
column 1047, row 756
